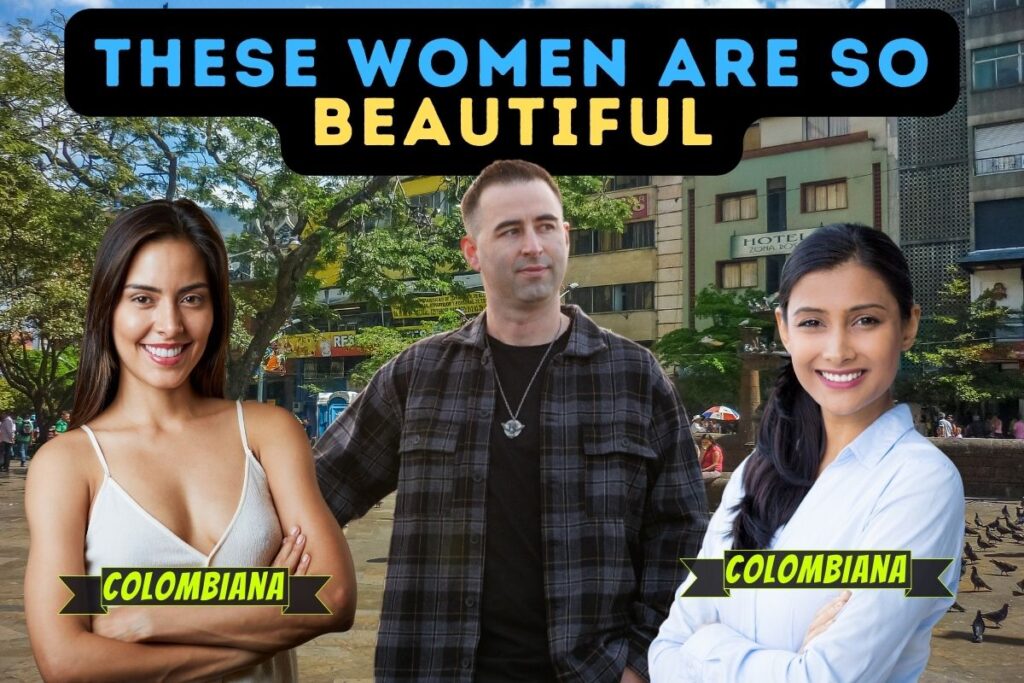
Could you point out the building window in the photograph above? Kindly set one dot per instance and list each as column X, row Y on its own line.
column 735, row 207
column 997, row 224
column 824, row 196
column 998, row 66
column 638, row 235
column 736, row 274
column 635, row 235
column 626, row 182
column 999, row 149
column 816, row 127
column 980, row 7
column 638, row 296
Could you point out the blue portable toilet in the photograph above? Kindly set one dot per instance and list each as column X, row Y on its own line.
column 330, row 404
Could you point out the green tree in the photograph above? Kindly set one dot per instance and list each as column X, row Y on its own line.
column 706, row 361
column 384, row 343
column 298, row 223
column 949, row 365
column 48, row 233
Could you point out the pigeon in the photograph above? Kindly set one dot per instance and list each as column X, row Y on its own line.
column 1002, row 529
column 1004, row 567
column 977, row 520
column 955, row 607
column 993, row 524
column 969, row 552
column 1013, row 527
column 992, row 536
column 997, row 616
column 985, row 546
column 972, row 532
column 977, row 581
column 1017, row 536
column 978, row 628
column 1006, row 513
column 1020, row 584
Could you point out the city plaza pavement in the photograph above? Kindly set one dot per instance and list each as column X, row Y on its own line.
column 348, row 657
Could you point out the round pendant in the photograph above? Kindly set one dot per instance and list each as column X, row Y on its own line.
column 512, row 428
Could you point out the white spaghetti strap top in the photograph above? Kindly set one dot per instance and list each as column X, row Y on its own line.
column 121, row 533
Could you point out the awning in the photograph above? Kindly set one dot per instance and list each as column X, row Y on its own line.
column 1008, row 255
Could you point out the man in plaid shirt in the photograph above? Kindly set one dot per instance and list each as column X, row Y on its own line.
column 547, row 482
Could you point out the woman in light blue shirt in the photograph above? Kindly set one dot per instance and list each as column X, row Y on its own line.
column 836, row 466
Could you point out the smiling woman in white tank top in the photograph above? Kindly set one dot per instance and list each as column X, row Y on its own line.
column 162, row 471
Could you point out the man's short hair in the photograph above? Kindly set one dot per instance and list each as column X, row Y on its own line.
column 504, row 172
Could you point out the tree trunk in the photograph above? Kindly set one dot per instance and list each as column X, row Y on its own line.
column 267, row 323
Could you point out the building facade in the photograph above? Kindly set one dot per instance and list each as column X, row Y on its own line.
column 797, row 174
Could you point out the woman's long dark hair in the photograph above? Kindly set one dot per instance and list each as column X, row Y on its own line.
column 791, row 436
column 99, row 367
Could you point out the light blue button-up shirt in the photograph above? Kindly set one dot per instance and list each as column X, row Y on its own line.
column 889, row 489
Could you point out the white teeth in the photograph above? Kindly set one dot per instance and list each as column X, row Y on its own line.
column 164, row 351
column 832, row 377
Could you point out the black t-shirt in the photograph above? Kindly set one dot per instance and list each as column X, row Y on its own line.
column 513, row 621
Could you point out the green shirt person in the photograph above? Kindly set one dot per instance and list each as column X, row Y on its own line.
column 23, row 437
column 63, row 423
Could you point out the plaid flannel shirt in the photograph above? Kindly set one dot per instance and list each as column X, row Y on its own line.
column 622, row 499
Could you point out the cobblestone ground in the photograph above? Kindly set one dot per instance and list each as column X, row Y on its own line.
column 348, row 657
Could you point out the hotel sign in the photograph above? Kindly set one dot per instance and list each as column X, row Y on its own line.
column 767, row 244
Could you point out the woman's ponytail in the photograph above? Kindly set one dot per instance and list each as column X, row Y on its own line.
column 790, row 442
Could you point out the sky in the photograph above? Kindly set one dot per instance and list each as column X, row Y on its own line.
column 38, row 10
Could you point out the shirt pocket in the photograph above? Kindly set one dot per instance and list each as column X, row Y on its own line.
column 616, row 458
column 426, row 473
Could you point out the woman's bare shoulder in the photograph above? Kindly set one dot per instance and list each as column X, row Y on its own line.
column 67, row 458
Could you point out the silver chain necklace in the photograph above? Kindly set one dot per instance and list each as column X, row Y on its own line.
column 513, row 427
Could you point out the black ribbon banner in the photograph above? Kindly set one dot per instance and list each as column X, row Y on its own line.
column 194, row 586
column 714, row 578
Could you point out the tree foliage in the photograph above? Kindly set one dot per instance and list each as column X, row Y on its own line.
column 950, row 362
column 86, row 169
column 706, row 361
column 49, row 229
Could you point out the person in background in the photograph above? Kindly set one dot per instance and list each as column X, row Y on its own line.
column 63, row 423
column 7, row 433
column 23, row 438
column 712, row 457
column 1018, row 429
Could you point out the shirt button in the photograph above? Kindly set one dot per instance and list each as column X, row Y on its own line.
column 470, row 601
column 415, row 439
column 478, row 477
column 485, row 412
column 474, row 539
column 623, row 441
column 466, row 663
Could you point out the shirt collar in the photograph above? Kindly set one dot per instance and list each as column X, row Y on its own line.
column 877, row 440
column 585, row 338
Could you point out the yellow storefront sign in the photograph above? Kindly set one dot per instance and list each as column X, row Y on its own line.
column 470, row 303
column 332, row 344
